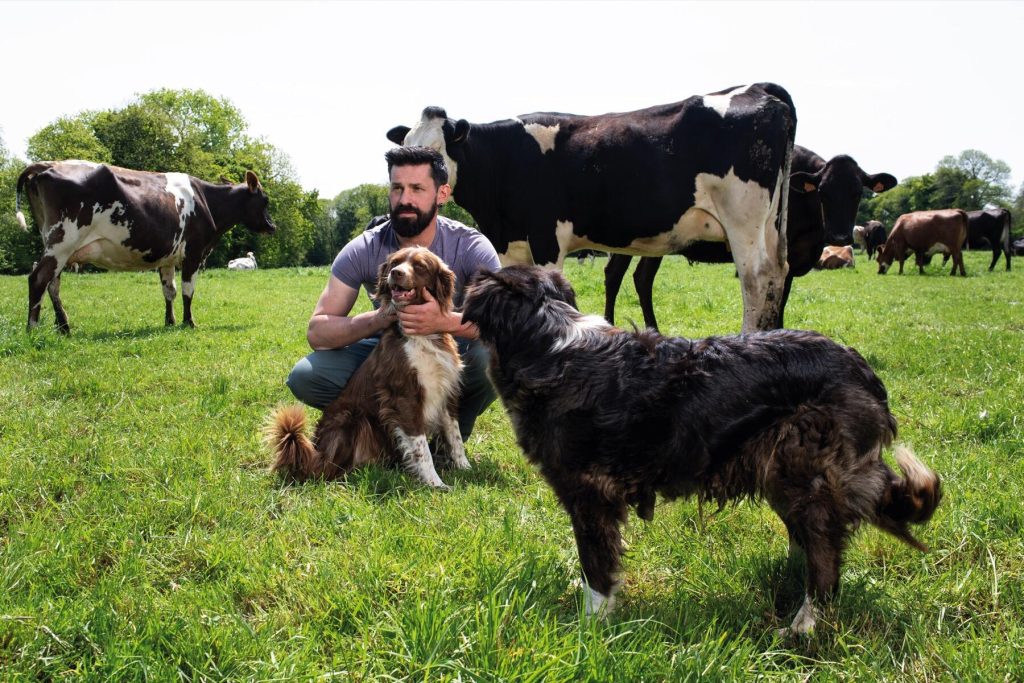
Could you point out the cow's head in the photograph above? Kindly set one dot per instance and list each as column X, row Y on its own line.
column 255, row 215
column 437, row 131
column 839, row 185
column 885, row 258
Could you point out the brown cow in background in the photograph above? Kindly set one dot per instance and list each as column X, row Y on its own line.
column 925, row 233
column 834, row 258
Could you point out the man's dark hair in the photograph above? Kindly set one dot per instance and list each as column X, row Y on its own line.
column 416, row 156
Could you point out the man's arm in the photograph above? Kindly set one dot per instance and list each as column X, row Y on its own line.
column 331, row 327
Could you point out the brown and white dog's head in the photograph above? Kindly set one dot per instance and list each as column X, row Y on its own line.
column 405, row 274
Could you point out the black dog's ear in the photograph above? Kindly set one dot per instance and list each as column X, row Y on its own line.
column 561, row 288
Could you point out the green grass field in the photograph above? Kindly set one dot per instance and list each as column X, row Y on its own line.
column 141, row 537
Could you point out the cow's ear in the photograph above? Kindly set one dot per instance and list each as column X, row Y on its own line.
column 803, row 182
column 880, row 182
column 252, row 181
column 397, row 134
column 460, row 132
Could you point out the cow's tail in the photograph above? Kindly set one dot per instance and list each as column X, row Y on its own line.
column 910, row 499
column 28, row 174
column 295, row 456
column 1005, row 236
column 963, row 223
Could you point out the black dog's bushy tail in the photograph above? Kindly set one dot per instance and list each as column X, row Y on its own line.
column 295, row 454
column 911, row 499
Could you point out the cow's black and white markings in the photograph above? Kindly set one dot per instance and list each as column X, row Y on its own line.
column 823, row 200
column 121, row 219
column 648, row 182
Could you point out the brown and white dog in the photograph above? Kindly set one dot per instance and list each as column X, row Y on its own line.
column 613, row 418
column 405, row 392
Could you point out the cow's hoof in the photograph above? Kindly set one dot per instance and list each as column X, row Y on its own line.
column 189, row 323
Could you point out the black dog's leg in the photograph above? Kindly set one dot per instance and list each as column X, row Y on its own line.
column 595, row 522
column 822, row 537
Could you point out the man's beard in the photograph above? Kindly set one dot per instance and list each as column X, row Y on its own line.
column 410, row 227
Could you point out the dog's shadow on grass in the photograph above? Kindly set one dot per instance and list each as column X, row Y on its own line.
column 776, row 592
column 382, row 483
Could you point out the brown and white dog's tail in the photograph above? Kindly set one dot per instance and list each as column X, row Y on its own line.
column 911, row 499
column 295, row 455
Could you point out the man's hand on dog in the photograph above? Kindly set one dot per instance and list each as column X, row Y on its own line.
column 425, row 318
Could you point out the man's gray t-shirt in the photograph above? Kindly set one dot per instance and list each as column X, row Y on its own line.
column 464, row 249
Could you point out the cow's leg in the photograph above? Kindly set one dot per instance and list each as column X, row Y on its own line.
column 1004, row 240
column 786, row 289
column 958, row 262
column 643, row 282
column 58, row 308
column 46, row 269
column 189, row 272
column 762, row 278
column 995, row 257
column 167, row 281
column 614, row 271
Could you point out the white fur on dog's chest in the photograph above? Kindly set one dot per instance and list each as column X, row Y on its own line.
column 438, row 374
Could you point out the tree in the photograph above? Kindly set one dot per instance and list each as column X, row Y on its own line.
column 982, row 180
column 18, row 248
column 70, row 137
column 968, row 181
column 191, row 131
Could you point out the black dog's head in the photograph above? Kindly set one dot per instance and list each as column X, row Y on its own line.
column 515, row 300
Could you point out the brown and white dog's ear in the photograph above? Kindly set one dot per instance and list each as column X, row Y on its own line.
column 445, row 288
column 383, row 295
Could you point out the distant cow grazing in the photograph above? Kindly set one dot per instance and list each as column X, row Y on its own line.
column 649, row 182
column 991, row 226
column 870, row 237
column 834, row 258
column 247, row 262
column 120, row 219
column 823, row 200
column 924, row 233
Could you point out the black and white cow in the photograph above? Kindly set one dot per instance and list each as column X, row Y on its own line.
column 649, row 182
column 120, row 219
column 870, row 237
column 991, row 228
column 823, row 200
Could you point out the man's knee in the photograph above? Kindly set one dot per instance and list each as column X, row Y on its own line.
column 302, row 381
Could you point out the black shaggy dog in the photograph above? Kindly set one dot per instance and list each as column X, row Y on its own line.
column 613, row 418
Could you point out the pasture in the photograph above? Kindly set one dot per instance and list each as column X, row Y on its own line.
column 142, row 538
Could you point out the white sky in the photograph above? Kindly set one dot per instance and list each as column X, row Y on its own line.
column 897, row 85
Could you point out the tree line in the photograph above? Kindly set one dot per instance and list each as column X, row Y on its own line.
column 193, row 132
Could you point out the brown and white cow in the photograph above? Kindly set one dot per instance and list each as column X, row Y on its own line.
column 120, row 219
column 834, row 258
column 924, row 233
